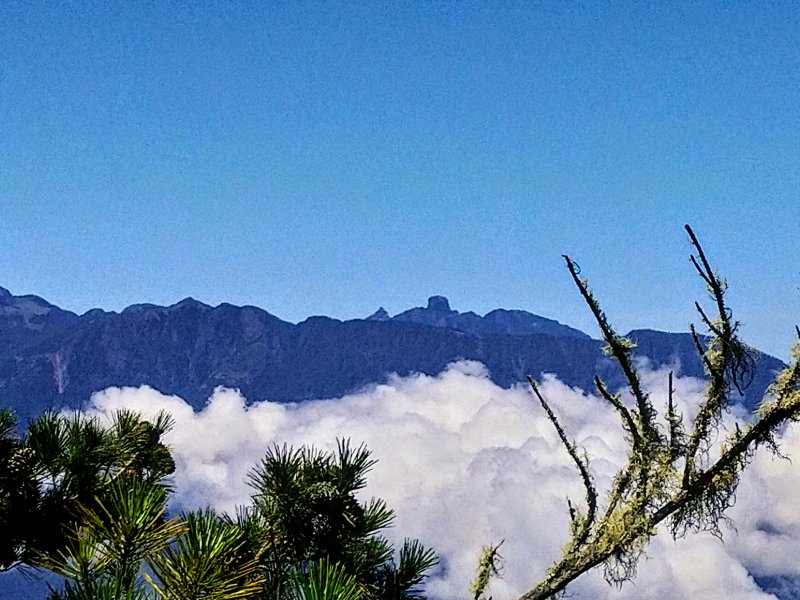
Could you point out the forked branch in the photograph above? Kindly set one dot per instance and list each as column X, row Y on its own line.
column 677, row 476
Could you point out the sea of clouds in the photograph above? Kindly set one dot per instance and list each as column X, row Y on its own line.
column 466, row 463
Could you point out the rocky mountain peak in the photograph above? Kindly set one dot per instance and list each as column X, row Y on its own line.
column 379, row 315
column 439, row 304
column 51, row 357
column 188, row 304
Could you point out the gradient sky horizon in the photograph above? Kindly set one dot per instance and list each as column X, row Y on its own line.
column 314, row 158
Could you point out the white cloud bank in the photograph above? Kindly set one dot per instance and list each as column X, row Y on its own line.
column 466, row 463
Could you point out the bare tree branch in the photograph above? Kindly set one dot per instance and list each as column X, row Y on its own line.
column 583, row 525
column 653, row 486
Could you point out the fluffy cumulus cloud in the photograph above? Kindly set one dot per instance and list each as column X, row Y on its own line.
column 465, row 463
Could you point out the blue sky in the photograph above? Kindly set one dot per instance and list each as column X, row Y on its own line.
column 328, row 158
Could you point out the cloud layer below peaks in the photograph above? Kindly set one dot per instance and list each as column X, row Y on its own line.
column 466, row 463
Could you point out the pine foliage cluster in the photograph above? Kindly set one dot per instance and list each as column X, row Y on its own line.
column 90, row 503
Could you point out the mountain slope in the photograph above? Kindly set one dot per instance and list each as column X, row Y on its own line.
column 497, row 322
column 53, row 358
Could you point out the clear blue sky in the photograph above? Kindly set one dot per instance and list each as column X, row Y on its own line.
column 328, row 158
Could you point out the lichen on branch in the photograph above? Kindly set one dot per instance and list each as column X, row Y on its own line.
column 671, row 474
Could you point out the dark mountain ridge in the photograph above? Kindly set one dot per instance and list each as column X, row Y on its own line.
column 50, row 357
column 53, row 358
column 497, row 322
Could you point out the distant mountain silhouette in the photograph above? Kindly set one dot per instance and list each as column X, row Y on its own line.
column 50, row 357
column 497, row 322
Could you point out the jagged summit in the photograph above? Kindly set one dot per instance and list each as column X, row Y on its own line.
column 438, row 313
column 7, row 299
column 26, row 305
column 439, row 304
column 189, row 303
column 53, row 358
column 186, row 303
column 379, row 315
column 27, row 319
column 137, row 308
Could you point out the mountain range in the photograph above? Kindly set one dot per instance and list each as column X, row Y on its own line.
column 54, row 358
column 51, row 357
